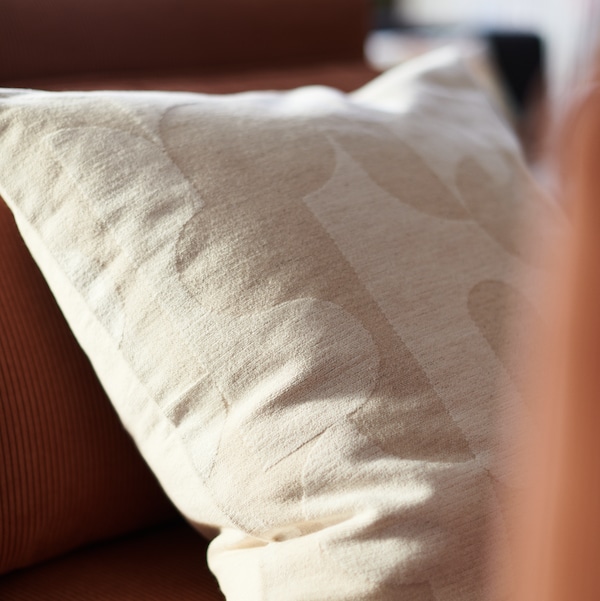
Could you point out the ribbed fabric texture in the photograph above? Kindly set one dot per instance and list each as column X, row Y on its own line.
column 69, row 474
column 164, row 565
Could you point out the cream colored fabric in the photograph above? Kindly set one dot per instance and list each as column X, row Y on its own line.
column 293, row 301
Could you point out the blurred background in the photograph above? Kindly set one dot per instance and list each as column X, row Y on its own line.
column 567, row 30
column 538, row 50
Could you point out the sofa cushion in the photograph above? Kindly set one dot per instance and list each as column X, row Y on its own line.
column 69, row 473
column 294, row 301
column 162, row 564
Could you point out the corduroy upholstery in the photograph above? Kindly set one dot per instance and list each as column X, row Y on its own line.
column 69, row 474
column 166, row 564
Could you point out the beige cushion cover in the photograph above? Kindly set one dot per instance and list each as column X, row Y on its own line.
column 293, row 301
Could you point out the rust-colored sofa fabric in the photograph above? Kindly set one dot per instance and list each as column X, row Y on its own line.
column 346, row 76
column 39, row 38
column 210, row 47
column 69, row 474
column 162, row 565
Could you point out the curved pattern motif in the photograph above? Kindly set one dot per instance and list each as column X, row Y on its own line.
column 399, row 170
column 493, row 305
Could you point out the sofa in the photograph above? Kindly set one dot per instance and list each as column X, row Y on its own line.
column 355, row 433
column 82, row 517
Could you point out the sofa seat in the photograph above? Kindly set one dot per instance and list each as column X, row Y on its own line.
column 162, row 564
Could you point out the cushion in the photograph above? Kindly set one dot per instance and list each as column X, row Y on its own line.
column 69, row 473
column 295, row 303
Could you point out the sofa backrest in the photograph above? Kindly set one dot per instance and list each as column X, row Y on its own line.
column 64, row 37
